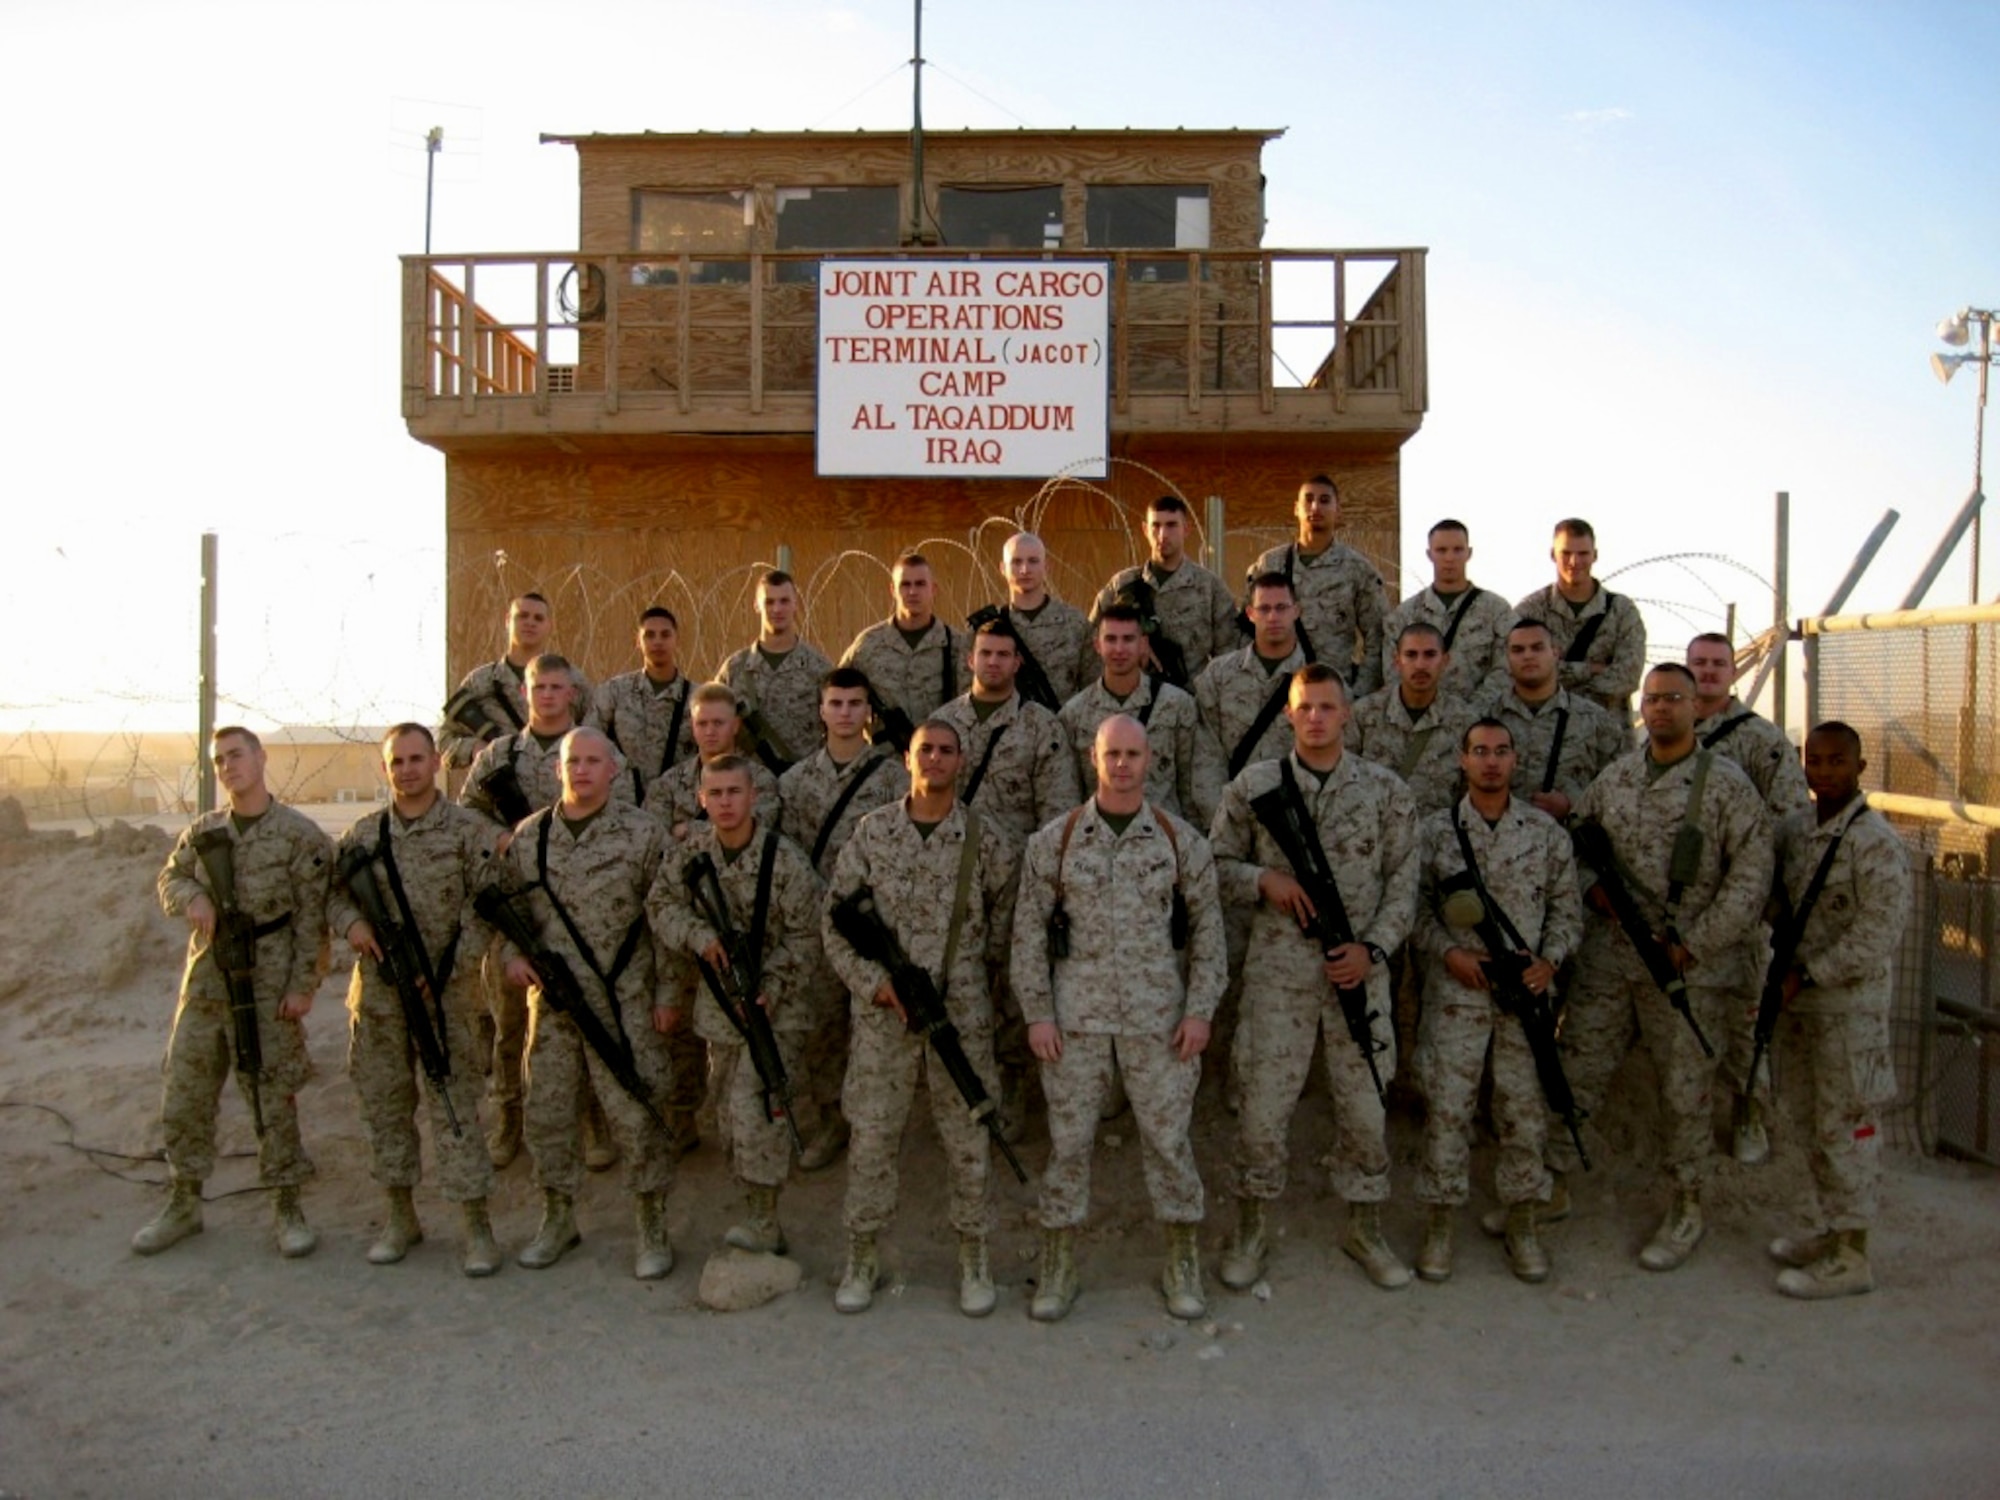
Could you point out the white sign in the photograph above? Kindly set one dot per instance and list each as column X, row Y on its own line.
column 987, row 369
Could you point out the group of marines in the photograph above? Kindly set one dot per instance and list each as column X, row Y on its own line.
column 1129, row 840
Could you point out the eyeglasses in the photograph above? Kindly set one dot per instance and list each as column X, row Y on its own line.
column 1649, row 699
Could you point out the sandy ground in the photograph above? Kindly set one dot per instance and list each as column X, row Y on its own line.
column 220, row 1370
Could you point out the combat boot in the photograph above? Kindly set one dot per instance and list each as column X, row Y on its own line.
column 1801, row 1250
column 1525, row 1255
column 1055, row 1286
column 1749, row 1141
column 503, row 1141
column 1243, row 1257
column 557, row 1236
column 482, row 1255
column 399, row 1231
column 174, row 1223
column 976, row 1297
column 600, row 1147
column 856, row 1292
column 824, row 1149
column 655, row 1256
column 288, row 1218
column 683, row 1135
column 1494, row 1220
column 759, row 1230
column 1842, row 1272
column 1679, row 1232
column 1181, row 1280
column 1365, row 1246
column 1434, row 1259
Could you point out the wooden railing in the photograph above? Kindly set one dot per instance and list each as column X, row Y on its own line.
column 466, row 350
column 688, row 338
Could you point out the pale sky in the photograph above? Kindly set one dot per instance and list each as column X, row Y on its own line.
column 1681, row 256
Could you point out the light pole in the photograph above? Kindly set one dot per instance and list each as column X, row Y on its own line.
column 434, row 143
column 1956, row 331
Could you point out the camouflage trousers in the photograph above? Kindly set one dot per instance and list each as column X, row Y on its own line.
column 1612, row 1004
column 1452, row 1042
column 885, row 1061
column 1839, row 1076
column 508, row 1005
column 685, row 1048
column 1275, row 1045
column 760, row 1148
column 1161, row 1088
column 562, row 1067
column 1738, row 1042
column 200, row 1057
column 383, row 1062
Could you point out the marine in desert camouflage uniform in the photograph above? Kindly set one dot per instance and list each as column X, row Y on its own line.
column 911, row 658
column 1339, row 592
column 494, row 695
column 909, row 855
column 1184, row 772
column 1550, row 725
column 1366, row 822
column 1126, row 982
column 646, row 713
column 1193, row 606
column 1610, row 663
column 1642, row 802
column 281, row 863
column 776, row 679
column 442, row 855
column 1471, row 621
column 1055, row 633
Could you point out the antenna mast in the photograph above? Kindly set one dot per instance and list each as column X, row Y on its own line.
column 916, row 234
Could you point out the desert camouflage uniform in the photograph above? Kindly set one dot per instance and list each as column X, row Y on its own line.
column 1838, row 1027
column 1620, row 645
column 784, row 693
column 1530, row 870
column 1367, row 825
column 1478, row 649
column 1229, row 693
column 914, row 878
column 1059, row 636
column 538, row 764
column 1766, row 756
column 761, row 1146
column 443, row 858
column 809, row 791
column 1118, row 997
column 1423, row 752
column 1195, row 609
column 601, row 874
column 1340, row 607
column 1030, row 776
column 1612, row 999
column 282, row 863
column 497, row 682
column 917, row 679
column 637, row 715
column 1591, row 740
column 1185, row 774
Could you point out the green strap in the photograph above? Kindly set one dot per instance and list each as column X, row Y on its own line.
column 968, row 856
column 1414, row 751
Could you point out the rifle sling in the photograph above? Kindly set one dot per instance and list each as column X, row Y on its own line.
column 1455, row 617
column 674, row 730
column 1246, row 747
column 1726, row 728
column 961, row 898
column 979, row 771
column 222, row 876
column 1579, row 648
column 831, row 821
column 626, row 948
column 1691, row 818
column 1500, row 917
column 1555, row 751
column 1414, row 751
column 1785, row 943
column 437, row 976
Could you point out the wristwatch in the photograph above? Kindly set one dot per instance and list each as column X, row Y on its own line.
column 1375, row 952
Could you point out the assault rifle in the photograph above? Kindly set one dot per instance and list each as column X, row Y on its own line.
column 474, row 708
column 564, row 994
column 764, row 740
column 1031, row 681
column 502, row 787
column 234, row 949
column 1504, row 964
column 896, row 728
column 1593, row 847
column 406, row 967
column 856, row 918
column 1282, row 812
column 737, row 984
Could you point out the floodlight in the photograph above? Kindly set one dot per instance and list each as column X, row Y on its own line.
column 1944, row 366
column 1953, row 331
